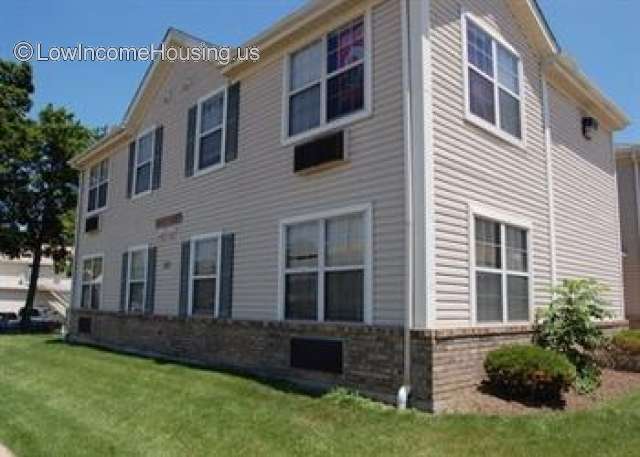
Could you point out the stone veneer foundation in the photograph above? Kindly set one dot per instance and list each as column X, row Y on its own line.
column 443, row 361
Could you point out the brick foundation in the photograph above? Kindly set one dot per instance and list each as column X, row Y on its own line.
column 372, row 355
column 443, row 361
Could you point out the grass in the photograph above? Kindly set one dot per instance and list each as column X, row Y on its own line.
column 61, row 400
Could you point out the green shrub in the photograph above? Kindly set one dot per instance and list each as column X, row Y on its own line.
column 569, row 326
column 529, row 371
column 627, row 340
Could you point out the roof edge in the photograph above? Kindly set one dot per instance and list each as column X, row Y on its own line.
column 570, row 72
column 116, row 132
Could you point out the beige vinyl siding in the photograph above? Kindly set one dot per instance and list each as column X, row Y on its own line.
column 586, row 201
column 252, row 194
column 630, row 233
column 473, row 166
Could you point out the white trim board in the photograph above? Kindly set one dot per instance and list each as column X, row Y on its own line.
column 548, row 145
column 420, row 165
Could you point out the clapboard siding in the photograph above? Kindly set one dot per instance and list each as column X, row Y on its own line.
column 252, row 194
column 586, row 201
column 630, row 233
column 473, row 166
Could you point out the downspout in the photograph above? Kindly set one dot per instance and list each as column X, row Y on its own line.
column 405, row 389
column 548, row 145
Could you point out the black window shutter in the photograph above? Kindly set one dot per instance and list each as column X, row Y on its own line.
column 157, row 159
column 123, row 282
column 151, row 280
column 132, row 158
column 226, row 276
column 191, row 141
column 183, row 297
column 233, row 119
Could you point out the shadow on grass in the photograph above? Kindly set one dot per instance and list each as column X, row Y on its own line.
column 531, row 401
column 280, row 384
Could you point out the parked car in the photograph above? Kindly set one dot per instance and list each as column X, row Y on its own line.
column 41, row 321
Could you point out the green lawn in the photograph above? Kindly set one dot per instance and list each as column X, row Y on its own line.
column 60, row 400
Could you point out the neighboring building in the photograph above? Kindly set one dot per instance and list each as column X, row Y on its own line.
column 53, row 293
column 629, row 194
column 386, row 165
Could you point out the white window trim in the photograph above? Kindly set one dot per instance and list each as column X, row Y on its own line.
column 89, row 187
column 476, row 120
column 136, row 165
column 476, row 210
column 325, row 126
column 90, row 283
column 192, row 258
column 145, row 249
column 367, row 211
column 196, row 162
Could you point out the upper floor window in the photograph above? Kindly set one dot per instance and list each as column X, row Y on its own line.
column 327, row 79
column 143, row 170
column 326, row 273
column 210, row 137
column 98, row 186
column 501, row 271
column 91, row 282
column 493, row 72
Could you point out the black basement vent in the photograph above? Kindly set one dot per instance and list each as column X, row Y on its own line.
column 84, row 325
column 320, row 151
column 315, row 354
column 92, row 224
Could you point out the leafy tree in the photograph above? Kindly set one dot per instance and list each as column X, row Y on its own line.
column 38, row 188
column 569, row 325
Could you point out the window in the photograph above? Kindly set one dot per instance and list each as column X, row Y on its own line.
column 144, row 163
column 326, row 79
column 137, row 279
column 494, row 82
column 211, row 131
column 204, row 284
column 501, row 271
column 91, row 282
column 98, row 186
column 326, row 272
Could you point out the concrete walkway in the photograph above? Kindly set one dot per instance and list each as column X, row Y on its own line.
column 4, row 452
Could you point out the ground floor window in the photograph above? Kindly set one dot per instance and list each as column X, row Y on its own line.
column 326, row 274
column 204, row 285
column 137, row 282
column 91, row 282
column 501, row 270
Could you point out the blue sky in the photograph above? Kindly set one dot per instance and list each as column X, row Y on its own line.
column 600, row 38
